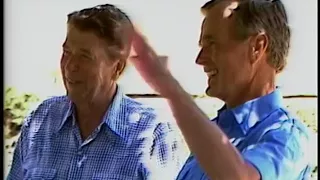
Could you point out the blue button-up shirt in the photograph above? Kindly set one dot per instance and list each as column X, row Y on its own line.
column 267, row 136
column 133, row 142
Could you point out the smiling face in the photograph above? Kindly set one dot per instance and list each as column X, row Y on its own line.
column 224, row 58
column 86, row 68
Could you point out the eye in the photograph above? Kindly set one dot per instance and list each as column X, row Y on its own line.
column 211, row 43
column 84, row 57
column 208, row 43
column 66, row 52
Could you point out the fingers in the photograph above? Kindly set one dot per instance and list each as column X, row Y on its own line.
column 140, row 44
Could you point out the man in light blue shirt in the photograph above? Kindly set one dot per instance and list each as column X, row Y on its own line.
column 266, row 135
column 243, row 46
column 96, row 132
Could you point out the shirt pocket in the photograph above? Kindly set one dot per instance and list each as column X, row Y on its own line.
column 104, row 176
column 40, row 173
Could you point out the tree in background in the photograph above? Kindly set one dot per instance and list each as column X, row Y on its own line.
column 16, row 107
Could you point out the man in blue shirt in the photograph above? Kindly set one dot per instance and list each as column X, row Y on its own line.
column 96, row 132
column 244, row 45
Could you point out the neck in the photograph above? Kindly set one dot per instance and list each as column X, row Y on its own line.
column 259, row 86
column 92, row 110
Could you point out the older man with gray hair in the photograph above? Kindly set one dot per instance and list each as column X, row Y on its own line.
column 96, row 131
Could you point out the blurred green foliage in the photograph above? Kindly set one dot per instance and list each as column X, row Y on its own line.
column 308, row 118
column 15, row 109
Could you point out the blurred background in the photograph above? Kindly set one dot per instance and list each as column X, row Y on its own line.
column 35, row 31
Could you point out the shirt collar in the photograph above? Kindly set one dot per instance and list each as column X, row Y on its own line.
column 67, row 115
column 113, row 117
column 251, row 112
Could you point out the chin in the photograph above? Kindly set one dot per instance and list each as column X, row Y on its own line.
column 209, row 92
column 71, row 96
column 212, row 93
column 74, row 96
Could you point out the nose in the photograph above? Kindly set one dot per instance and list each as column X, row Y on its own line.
column 203, row 57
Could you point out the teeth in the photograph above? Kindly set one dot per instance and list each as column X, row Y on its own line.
column 71, row 81
column 212, row 73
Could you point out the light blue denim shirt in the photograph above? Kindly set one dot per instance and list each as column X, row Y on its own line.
column 133, row 142
column 267, row 136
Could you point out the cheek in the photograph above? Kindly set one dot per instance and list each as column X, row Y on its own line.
column 229, row 68
column 236, row 73
column 62, row 64
column 104, row 75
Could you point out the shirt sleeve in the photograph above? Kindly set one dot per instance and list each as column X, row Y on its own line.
column 167, row 155
column 16, row 171
column 280, row 153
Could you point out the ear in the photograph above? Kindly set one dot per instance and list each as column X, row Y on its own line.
column 258, row 47
column 118, row 69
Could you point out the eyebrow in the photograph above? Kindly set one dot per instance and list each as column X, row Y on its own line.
column 83, row 50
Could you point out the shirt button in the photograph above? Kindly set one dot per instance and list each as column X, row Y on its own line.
column 79, row 152
column 79, row 163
